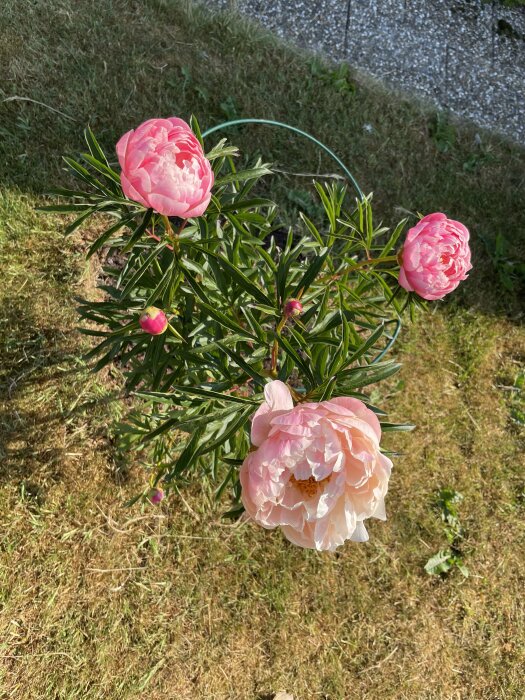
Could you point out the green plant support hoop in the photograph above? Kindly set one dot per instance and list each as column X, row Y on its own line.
column 334, row 157
column 270, row 122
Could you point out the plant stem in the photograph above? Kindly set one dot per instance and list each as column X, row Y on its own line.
column 173, row 235
column 377, row 261
column 362, row 263
column 275, row 347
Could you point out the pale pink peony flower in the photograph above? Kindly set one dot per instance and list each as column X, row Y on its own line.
column 153, row 321
column 317, row 471
column 164, row 167
column 435, row 257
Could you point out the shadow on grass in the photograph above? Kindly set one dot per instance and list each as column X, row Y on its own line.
column 45, row 393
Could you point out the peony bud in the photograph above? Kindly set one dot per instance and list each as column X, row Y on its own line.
column 153, row 321
column 293, row 307
column 156, row 495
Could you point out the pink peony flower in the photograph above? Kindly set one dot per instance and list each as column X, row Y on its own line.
column 317, row 471
column 435, row 257
column 164, row 167
column 293, row 307
column 153, row 321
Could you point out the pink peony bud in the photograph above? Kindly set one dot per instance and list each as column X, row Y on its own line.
column 293, row 307
column 156, row 495
column 164, row 168
column 153, row 321
column 435, row 257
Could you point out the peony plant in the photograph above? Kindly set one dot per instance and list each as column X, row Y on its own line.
column 248, row 348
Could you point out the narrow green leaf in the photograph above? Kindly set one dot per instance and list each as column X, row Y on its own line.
column 236, row 425
column 295, row 356
column 187, row 456
column 364, row 347
column 132, row 282
column 239, row 276
column 243, row 175
column 94, row 147
column 104, row 237
column 86, row 176
column 310, row 273
column 362, row 376
column 139, row 231
column 196, row 391
column 104, row 170
column 240, row 362
column 392, row 427
column 393, row 238
column 194, row 124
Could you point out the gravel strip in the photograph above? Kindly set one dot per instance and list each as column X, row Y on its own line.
column 466, row 56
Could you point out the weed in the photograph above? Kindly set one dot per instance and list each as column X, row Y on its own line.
column 441, row 563
column 442, row 132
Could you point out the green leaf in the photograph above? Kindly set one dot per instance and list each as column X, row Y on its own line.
column 197, row 391
column 220, row 150
column 239, row 276
column 104, row 237
column 227, row 478
column 243, row 175
column 235, row 512
column 393, row 238
column 226, row 322
column 295, row 356
column 142, row 270
column 66, row 208
column 240, row 362
column 311, row 273
column 364, row 347
column 240, row 204
column 439, row 563
column 368, row 374
column 211, row 347
column 86, row 176
column 187, row 456
column 180, row 421
column 392, row 427
column 139, row 231
column 103, row 169
column 94, row 147
column 78, row 222
column 163, row 283
column 327, row 392
column 194, row 124
column 236, row 425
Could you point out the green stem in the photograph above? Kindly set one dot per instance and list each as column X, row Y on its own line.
column 275, row 347
column 173, row 235
column 357, row 266
column 372, row 261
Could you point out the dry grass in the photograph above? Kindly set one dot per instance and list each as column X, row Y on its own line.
column 101, row 602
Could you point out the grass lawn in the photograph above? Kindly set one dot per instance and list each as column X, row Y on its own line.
column 100, row 602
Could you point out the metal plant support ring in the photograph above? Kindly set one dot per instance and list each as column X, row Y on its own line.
column 270, row 122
